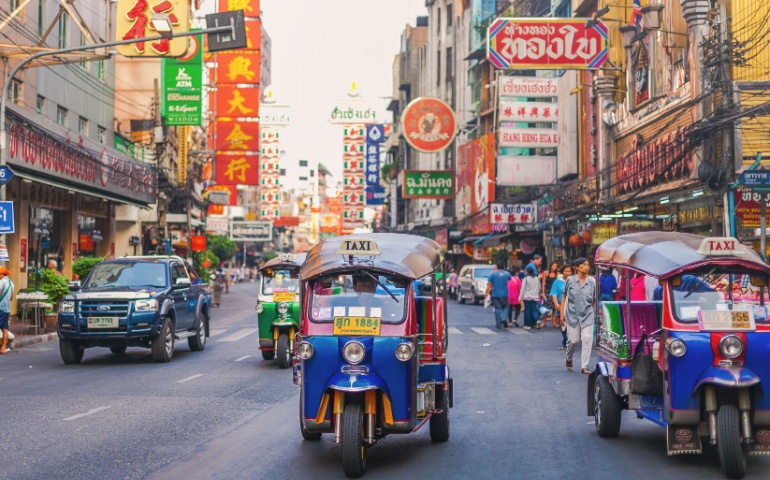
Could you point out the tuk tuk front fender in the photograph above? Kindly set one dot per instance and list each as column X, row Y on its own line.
column 357, row 383
column 727, row 377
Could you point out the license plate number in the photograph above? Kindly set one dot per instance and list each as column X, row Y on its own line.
column 284, row 296
column 102, row 322
column 731, row 321
column 361, row 326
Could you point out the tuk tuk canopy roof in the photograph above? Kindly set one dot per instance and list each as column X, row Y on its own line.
column 282, row 261
column 664, row 254
column 409, row 256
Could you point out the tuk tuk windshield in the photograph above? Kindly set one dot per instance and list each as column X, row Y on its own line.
column 358, row 296
column 720, row 291
column 280, row 279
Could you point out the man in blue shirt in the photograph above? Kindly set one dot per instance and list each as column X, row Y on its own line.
column 497, row 288
column 6, row 292
column 557, row 295
column 536, row 261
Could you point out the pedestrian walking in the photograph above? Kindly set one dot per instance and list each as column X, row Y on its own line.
column 548, row 278
column 497, row 288
column 557, row 297
column 6, row 292
column 579, row 311
column 530, row 295
column 452, row 284
column 514, row 304
column 536, row 262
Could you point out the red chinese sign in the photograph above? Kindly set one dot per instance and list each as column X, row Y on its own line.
column 237, row 136
column 199, row 243
column 237, row 169
column 547, row 43
column 250, row 7
column 667, row 157
column 235, row 101
column 238, row 68
column 253, row 38
column 134, row 22
column 429, row 124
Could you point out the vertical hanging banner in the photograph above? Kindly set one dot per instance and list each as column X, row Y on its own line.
column 238, row 67
column 182, row 86
column 270, row 195
column 372, row 164
column 183, row 142
column 354, row 175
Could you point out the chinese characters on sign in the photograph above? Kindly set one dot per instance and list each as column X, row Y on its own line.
column 270, row 196
column 372, row 163
column 528, row 111
column 237, row 136
column 237, row 169
column 512, row 213
column 234, row 101
column 238, row 68
column 134, row 22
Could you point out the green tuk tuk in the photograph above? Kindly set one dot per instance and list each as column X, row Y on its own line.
column 278, row 307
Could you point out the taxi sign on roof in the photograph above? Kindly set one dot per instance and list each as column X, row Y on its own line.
column 720, row 246
column 359, row 246
column 287, row 257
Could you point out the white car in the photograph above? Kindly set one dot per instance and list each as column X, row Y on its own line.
column 472, row 282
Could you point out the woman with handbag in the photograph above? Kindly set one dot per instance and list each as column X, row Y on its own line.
column 548, row 278
column 530, row 295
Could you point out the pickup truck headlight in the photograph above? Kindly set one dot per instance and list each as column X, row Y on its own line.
column 66, row 306
column 146, row 305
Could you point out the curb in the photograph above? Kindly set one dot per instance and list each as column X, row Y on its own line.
column 24, row 341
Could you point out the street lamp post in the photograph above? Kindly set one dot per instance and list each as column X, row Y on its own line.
column 84, row 48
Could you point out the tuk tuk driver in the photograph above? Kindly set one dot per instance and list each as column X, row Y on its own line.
column 364, row 284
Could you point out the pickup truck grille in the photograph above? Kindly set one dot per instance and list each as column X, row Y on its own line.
column 104, row 309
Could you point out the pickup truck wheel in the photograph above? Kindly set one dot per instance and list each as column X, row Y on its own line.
column 198, row 341
column 71, row 352
column 284, row 354
column 476, row 300
column 118, row 350
column 163, row 344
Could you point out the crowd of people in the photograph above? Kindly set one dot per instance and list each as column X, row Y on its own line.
column 562, row 295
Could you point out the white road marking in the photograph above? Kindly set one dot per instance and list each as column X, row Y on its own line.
column 191, row 377
column 90, row 412
column 244, row 332
column 216, row 331
column 518, row 331
column 455, row 331
column 483, row 331
column 242, row 358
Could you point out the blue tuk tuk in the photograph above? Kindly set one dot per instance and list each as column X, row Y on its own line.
column 371, row 355
column 695, row 357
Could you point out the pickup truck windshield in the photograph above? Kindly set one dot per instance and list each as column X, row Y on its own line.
column 127, row 274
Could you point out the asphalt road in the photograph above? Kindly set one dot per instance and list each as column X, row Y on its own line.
column 224, row 413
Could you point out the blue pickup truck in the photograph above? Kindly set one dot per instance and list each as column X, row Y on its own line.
column 148, row 302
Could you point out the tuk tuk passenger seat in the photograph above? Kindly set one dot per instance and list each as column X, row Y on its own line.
column 424, row 307
column 645, row 319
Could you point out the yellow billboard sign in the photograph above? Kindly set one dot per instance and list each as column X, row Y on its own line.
column 134, row 21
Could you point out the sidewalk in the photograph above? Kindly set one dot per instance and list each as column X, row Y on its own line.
column 23, row 340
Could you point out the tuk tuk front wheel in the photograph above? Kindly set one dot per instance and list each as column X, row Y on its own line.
column 439, row 423
column 284, row 354
column 353, row 451
column 607, row 409
column 732, row 454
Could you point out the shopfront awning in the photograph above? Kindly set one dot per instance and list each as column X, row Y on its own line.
column 181, row 218
column 73, row 188
column 491, row 240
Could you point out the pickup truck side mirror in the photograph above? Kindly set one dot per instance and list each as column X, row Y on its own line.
column 74, row 286
column 182, row 282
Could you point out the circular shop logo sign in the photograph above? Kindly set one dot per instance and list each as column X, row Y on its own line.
column 428, row 124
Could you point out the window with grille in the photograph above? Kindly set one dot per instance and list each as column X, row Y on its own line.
column 40, row 105
column 102, row 134
column 100, row 70
column 64, row 23
column 82, row 126
column 40, row 17
column 15, row 92
column 61, row 115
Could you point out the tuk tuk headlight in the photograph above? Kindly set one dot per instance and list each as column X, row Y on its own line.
column 731, row 346
column 353, row 352
column 282, row 308
column 260, row 308
column 676, row 347
column 305, row 350
column 404, row 351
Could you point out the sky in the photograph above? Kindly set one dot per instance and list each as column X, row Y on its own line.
column 319, row 47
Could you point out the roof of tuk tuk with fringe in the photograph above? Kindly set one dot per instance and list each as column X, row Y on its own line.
column 664, row 254
column 279, row 262
column 410, row 256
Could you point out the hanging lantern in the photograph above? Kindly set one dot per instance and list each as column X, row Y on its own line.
column 576, row 240
column 206, row 263
column 556, row 242
column 587, row 236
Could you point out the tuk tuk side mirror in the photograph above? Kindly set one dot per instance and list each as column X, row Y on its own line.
column 758, row 281
column 676, row 281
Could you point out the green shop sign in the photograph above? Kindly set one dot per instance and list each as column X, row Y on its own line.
column 182, row 86
column 429, row 183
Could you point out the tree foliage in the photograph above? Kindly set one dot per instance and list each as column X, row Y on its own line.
column 223, row 248
column 83, row 266
column 54, row 285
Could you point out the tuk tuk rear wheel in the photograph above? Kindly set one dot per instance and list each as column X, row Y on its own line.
column 607, row 409
column 439, row 423
column 732, row 454
column 284, row 354
column 268, row 354
column 353, row 451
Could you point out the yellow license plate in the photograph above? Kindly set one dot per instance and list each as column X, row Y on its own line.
column 284, row 296
column 362, row 326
